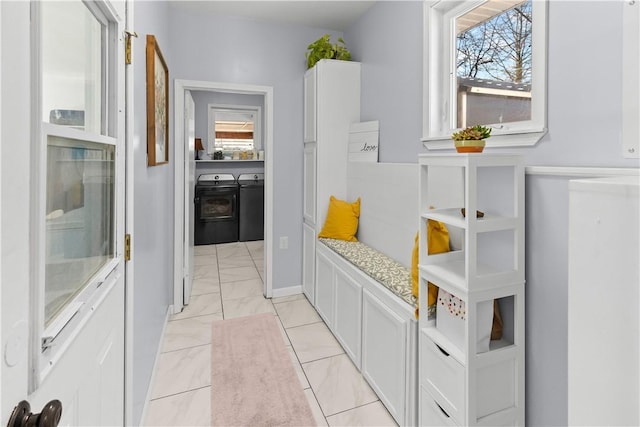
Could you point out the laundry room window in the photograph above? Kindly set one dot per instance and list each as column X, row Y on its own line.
column 77, row 174
column 234, row 131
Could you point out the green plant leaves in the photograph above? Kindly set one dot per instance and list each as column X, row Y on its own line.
column 474, row 133
column 323, row 49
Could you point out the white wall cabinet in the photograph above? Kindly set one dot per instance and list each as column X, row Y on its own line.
column 604, row 295
column 463, row 378
column 325, row 289
column 309, row 261
column 331, row 104
column 309, row 183
column 310, row 118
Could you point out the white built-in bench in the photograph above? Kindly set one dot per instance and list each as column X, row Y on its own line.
column 365, row 298
column 372, row 314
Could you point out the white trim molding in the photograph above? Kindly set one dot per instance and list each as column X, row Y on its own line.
column 577, row 171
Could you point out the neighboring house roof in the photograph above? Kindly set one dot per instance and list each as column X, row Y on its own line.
column 487, row 86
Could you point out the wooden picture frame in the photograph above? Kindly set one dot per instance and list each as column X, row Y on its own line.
column 157, row 105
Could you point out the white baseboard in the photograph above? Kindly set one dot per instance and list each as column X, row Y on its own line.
column 285, row 292
column 147, row 398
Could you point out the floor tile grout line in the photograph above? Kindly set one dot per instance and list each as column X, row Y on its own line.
column 358, row 406
column 313, row 392
column 194, row 316
column 313, row 323
column 303, row 324
column 323, row 357
column 185, row 348
column 181, row 392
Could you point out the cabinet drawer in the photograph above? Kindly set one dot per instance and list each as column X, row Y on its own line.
column 444, row 378
column 432, row 413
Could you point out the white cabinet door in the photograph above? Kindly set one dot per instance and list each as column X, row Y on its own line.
column 324, row 288
column 309, row 183
column 310, row 105
column 308, row 261
column 348, row 316
column 384, row 355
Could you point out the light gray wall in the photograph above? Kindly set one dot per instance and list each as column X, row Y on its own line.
column 202, row 99
column 153, row 212
column 584, row 121
column 207, row 47
column 388, row 42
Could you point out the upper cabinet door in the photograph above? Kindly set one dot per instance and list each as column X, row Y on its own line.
column 310, row 105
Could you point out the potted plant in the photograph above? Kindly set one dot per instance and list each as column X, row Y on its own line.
column 323, row 49
column 471, row 139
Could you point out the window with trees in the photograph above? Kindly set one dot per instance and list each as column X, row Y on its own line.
column 485, row 64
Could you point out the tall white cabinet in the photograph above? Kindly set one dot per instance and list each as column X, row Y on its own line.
column 604, row 302
column 331, row 104
column 464, row 378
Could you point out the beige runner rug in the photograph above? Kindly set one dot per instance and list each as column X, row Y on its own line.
column 253, row 382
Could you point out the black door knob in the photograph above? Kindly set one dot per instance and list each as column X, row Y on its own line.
column 23, row 417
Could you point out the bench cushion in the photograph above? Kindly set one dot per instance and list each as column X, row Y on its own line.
column 388, row 272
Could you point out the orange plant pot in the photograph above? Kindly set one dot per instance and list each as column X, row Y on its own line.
column 469, row 146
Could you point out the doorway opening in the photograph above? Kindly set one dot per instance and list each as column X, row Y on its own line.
column 183, row 158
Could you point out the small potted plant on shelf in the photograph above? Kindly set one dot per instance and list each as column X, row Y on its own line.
column 323, row 49
column 471, row 139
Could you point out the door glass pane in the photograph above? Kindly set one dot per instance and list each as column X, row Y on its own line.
column 72, row 68
column 79, row 217
column 493, row 63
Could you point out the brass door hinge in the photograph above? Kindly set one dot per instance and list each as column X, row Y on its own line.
column 127, row 247
column 127, row 47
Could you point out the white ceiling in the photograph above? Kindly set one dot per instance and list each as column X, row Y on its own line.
column 330, row 15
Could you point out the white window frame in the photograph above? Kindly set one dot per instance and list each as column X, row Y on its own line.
column 257, row 125
column 439, row 85
column 49, row 344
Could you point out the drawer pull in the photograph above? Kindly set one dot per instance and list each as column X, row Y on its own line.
column 442, row 410
column 442, row 350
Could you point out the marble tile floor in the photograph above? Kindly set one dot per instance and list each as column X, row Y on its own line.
column 228, row 283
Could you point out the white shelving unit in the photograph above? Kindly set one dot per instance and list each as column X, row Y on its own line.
column 460, row 384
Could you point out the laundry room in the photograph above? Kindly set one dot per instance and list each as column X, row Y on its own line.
column 229, row 167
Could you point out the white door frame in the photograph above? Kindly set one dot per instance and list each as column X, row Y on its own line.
column 180, row 162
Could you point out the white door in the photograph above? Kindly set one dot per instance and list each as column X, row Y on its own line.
column 189, row 191
column 62, row 217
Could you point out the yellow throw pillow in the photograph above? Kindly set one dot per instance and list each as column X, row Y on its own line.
column 438, row 242
column 342, row 220
column 414, row 265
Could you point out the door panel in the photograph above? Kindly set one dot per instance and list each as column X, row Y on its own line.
column 189, row 191
column 83, row 366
